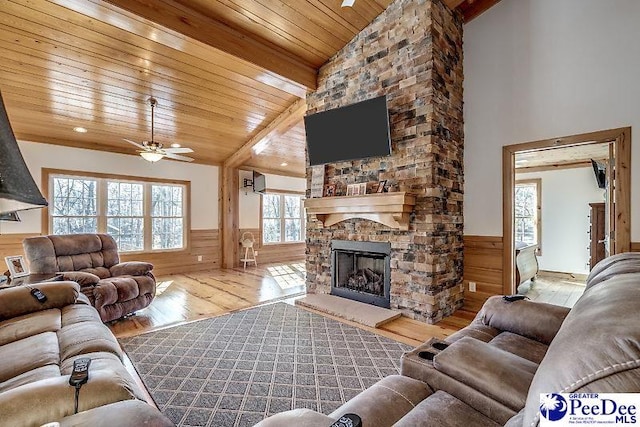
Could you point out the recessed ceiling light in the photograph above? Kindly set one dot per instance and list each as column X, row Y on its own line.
column 175, row 145
column 284, row 164
column 80, row 129
column 348, row 3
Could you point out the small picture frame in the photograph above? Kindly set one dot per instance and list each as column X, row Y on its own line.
column 329, row 190
column 381, row 185
column 17, row 266
column 350, row 190
column 363, row 188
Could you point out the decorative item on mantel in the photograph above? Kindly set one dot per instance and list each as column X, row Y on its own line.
column 390, row 209
column 329, row 190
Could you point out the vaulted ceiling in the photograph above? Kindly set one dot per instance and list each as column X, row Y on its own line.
column 228, row 74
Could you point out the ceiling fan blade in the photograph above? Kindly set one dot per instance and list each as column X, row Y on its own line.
column 134, row 143
column 178, row 157
column 178, row 150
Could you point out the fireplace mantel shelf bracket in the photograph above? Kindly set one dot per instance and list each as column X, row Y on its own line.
column 390, row 209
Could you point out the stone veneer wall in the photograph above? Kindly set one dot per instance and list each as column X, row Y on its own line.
column 412, row 53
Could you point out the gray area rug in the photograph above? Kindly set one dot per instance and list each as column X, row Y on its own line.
column 237, row 369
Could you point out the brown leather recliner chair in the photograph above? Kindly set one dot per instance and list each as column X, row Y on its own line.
column 115, row 289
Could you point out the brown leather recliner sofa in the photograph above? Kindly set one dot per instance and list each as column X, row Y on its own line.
column 38, row 345
column 493, row 372
column 115, row 289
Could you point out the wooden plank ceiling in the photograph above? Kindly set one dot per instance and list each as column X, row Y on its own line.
column 574, row 156
column 222, row 71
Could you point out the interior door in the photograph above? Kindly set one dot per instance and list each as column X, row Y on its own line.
column 610, row 205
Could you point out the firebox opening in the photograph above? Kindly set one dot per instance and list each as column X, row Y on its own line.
column 361, row 271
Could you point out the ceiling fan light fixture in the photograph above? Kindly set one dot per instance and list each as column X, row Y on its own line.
column 151, row 156
column 347, row 3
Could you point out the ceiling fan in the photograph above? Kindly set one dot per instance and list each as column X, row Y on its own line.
column 152, row 151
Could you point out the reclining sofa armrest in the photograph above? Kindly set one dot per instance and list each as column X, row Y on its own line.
column 535, row 320
column 17, row 301
column 131, row 268
column 82, row 278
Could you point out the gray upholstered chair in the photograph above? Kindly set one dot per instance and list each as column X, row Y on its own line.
column 115, row 289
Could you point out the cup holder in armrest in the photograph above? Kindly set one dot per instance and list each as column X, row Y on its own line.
column 440, row 345
column 427, row 355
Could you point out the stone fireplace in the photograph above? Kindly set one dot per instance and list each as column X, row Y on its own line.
column 361, row 271
column 412, row 53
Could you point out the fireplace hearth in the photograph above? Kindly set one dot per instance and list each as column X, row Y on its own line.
column 361, row 271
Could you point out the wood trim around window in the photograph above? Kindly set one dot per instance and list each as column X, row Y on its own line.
column 538, row 184
column 621, row 138
column 47, row 172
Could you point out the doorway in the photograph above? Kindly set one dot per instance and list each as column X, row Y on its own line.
column 618, row 195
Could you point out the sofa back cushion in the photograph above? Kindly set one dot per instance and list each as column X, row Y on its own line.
column 94, row 253
column 597, row 349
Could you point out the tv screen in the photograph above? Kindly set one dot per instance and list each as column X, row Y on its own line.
column 353, row 132
column 600, row 172
column 259, row 182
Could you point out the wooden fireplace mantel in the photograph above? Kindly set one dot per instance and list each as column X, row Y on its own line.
column 390, row 209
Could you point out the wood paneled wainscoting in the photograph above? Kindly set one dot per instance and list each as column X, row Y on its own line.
column 276, row 252
column 482, row 265
column 205, row 243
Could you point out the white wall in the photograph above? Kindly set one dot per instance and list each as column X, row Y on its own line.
column 538, row 69
column 566, row 195
column 249, row 202
column 204, row 179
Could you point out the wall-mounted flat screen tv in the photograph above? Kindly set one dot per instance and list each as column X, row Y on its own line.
column 259, row 182
column 353, row 132
column 600, row 172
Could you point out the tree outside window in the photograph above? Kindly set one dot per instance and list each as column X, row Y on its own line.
column 527, row 225
column 74, row 208
column 282, row 218
column 141, row 216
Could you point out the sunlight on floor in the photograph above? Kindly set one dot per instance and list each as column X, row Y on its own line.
column 163, row 286
column 288, row 276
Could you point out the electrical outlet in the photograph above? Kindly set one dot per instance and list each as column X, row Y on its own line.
column 472, row 286
column 199, row 258
column 255, row 253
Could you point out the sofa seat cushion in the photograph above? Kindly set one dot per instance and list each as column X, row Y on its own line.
column 400, row 395
column 128, row 413
column 27, row 354
column 79, row 313
column 28, row 325
column 38, row 374
column 53, row 398
column 520, row 346
column 443, row 410
column 297, row 417
column 86, row 337
column 501, row 375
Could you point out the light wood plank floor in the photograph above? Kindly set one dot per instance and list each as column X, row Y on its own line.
column 187, row 297
column 554, row 290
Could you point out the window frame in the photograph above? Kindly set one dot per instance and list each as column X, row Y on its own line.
column 282, row 194
column 537, row 182
column 103, row 178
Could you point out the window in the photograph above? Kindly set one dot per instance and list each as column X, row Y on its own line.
column 140, row 215
column 282, row 218
column 167, row 214
column 528, row 224
column 74, row 206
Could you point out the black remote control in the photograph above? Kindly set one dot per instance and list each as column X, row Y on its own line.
column 37, row 294
column 80, row 374
column 512, row 298
column 348, row 420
